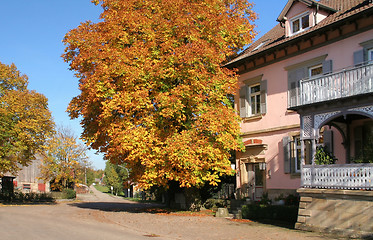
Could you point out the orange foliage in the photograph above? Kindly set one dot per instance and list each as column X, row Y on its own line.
column 154, row 94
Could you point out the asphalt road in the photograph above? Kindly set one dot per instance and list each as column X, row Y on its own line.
column 100, row 216
column 66, row 220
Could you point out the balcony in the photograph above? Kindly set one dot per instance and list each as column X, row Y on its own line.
column 338, row 176
column 337, row 85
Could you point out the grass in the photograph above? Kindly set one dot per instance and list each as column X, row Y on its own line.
column 102, row 188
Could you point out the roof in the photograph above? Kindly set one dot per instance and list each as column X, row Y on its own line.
column 276, row 36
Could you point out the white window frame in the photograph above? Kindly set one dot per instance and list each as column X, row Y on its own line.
column 299, row 17
column 255, row 94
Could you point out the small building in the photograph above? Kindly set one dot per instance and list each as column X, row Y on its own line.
column 28, row 178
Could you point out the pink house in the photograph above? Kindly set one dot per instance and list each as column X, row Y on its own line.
column 307, row 83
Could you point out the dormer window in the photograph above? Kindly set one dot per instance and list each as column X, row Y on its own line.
column 300, row 23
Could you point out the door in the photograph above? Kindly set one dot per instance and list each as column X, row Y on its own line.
column 259, row 182
column 255, row 181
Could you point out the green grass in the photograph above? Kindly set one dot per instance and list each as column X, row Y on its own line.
column 106, row 189
column 102, row 188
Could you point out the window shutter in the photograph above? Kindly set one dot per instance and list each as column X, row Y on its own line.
column 328, row 140
column 327, row 66
column 263, row 96
column 359, row 57
column 287, row 154
column 243, row 102
column 294, row 78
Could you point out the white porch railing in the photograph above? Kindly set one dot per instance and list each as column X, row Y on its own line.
column 346, row 83
column 338, row 176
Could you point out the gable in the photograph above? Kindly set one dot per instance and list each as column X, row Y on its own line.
column 298, row 9
column 306, row 3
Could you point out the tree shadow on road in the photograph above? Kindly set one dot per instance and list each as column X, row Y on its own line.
column 117, row 206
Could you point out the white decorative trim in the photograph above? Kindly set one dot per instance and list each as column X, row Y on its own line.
column 307, row 127
column 367, row 109
column 320, row 118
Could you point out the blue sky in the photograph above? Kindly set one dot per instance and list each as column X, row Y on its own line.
column 31, row 38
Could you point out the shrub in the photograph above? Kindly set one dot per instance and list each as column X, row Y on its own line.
column 270, row 212
column 20, row 197
column 323, row 157
column 215, row 203
column 292, row 200
column 68, row 194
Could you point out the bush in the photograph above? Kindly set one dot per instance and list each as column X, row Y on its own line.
column 20, row 197
column 215, row 203
column 68, row 194
column 270, row 212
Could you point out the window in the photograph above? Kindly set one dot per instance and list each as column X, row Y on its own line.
column 292, row 150
column 370, row 54
column 260, row 45
column 292, row 153
column 296, row 155
column 315, row 70
column 254, row 99
column 299, row 23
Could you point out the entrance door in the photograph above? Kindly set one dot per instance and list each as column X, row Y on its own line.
column 255, row 182
column 259, row 182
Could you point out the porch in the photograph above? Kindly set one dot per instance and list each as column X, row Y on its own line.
column 338, row 176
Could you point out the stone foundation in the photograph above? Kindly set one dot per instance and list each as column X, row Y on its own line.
column 343, row 212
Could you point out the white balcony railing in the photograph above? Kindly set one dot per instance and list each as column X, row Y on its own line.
column 338, row 176
column 346, row 83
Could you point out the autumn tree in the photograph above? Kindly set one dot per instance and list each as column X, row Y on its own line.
column 154, row 92
column 25, row 120
column 64, row 160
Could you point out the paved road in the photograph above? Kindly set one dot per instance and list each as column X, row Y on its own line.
column 66, row 220
column 100, row 216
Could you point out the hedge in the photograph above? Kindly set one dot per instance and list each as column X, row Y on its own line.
column 270, row 212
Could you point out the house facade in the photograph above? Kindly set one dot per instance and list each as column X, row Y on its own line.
column 307, row 85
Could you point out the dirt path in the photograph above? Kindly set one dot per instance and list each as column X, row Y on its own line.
column 100, row 216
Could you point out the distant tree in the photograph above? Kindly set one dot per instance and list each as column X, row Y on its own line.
column 115, row 176
column 154, row 94
column 25, row 120
column 88, row 176
column 64, row 160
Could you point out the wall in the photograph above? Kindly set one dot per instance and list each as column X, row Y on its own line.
column 344, row 212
